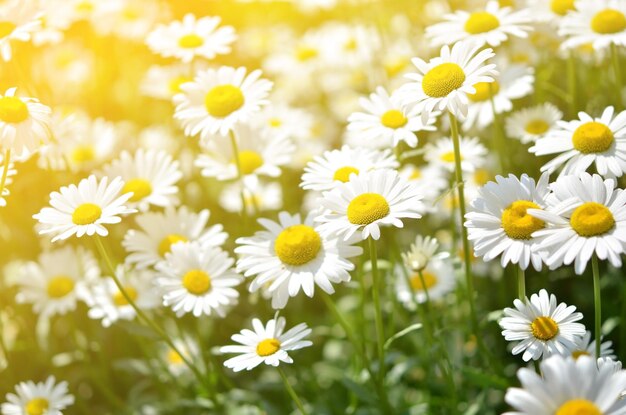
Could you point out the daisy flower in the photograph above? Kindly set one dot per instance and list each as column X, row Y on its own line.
column 158, row 231
column 334, row 167
column 175, row 362
column 163, row 82
column 586, row 215
column 47, row 397
column 368, row 201
column 596, row 22
column 292, row 254
column 584, row 142
column 422, row 251
column 541, row 327
column 266, row 344
column 283, row 120
column 445, row 81
column 150, row 176
column 17, row 23
column 568, row 386
column 586, row 347
column 441, row 154
column 191, row 38
column 198, row 279
column 24, row 123
column 491, row 26
column 437, row 278
column 550, row 11
column 218, row 99
column 430, row 179
column 530, row 124
column 84, row 209
column 499, row 224
column 258, row 197
column 387, row 121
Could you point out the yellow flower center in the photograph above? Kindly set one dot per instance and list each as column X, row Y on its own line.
column 166, row 243
column 37, row 406
column 131, row 13
column 297, row 245
column 443, row 79
column 223, row 100
column 275, row 122
column 86, row 214
column 174, row 358
column 517, row 223
column 578, row 407
column 415, row 174
column 448, row 157
column 13, row 110
column 577, row 353
column 393, row 119
column 140, row 187
column 85, row 7
column 343, row 174
column 608, row 21
column 174, row 84
column 592, row 137
column 305, row 53
column 190, row 41
column 481, row 176
column 367, row 208
column 6, row 28
column 544, row 328
column 430, row 280
column 561, row 7
column 481, row 22
column 395, row 66
column 484, row 91
column 83, row 154
column 249, row 161
column 267, row 347
column 60, row 286
column 197, row 281
column 536, row 127
column 119, row 299
column 592, row 219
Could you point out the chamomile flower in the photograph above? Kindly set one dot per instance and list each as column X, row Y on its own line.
column 586, row 347
column 218, row 99
column 387, row 122
column 158, row 231
column 550, row 11
column 150, row 175
column 198, row 280
column 422, row 251
column 444, row 82
column 584, row 142
column 47, row 397
column 441, row 154
column 430, row 179
column 24, row 123
column 291, row 255
column 499, row 224
column 84, row 209
column 368, row 201
column 540, row 327
column 586, row 216
column 491, row 26
column 436, row 277
column 175, row 363
column 334, row 167
column 191, row 38
column 596, row 22
column 17, row 23
column 258, row 196
column 163, row 82
column 530, row 124
column 568, row 386
column 283, row 120
column 266, row 344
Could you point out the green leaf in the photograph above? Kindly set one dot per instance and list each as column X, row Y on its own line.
column 412, row 327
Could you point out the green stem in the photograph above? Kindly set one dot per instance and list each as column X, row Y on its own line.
column 380, row 333
column 235, row 147
column 597, row 302
column 5, row 169
column 521, row 283
column 618, row 75
column 291, row 391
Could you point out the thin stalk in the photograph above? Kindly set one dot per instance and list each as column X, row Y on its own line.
column 618, row 75
column 380, row 334
column 597, row 303
column 5, row 169
column 521, row 283
column 235, row 147
column 292, row 392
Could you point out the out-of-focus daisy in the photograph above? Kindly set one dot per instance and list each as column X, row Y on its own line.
column 163, row 82
column 444, row 82
column 550, row 11
column 334, row 167
column 541, row 327
column 584, row 142
column 499, row 224
column 283, row 120
column 17, row 23
column 491, row 26
column 586, row 216
column 266, row 344
column 368, row 201
column 24, row 123
column 8, row 180
column 258, row 196
column 586, row 347
column 175, row 362
column 218, row 99
column 32, row 398
column 388, row 122
column 430, row 179
column 441, row 154
column 53, row 22
column 160, row 230
column 150, row 175
column 191, row 38
column 596, row 22
column 422, row 251
column 84, row 209
column 298, row 58
column 437, row 278
column 352, row 45
column 198, row 279
column 292, row 254
column 107, row 303
column 134, row 19
column 530, row 124
column 568, row 386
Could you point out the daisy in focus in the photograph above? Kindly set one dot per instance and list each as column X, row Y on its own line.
column 530, row 124
column 441, row 154
column 601, row 23
column 266, row 344
column 541, row 327
column 47, row 397
column 84, row 209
